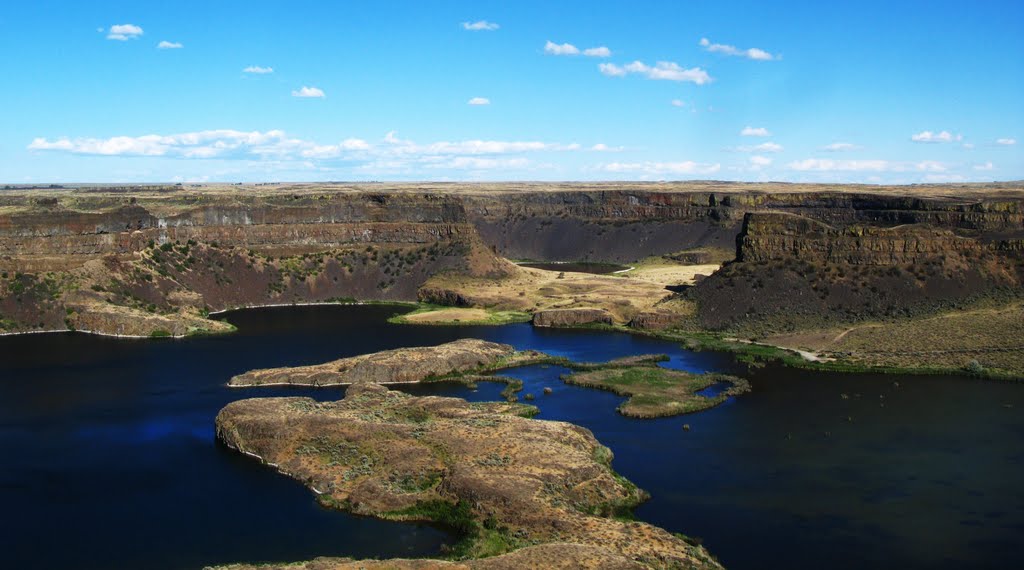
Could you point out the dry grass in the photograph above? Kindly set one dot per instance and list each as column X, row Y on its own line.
column 994, row 337
column 447, row 315
column 954, row 192
column 665, row 273
column 531, row 290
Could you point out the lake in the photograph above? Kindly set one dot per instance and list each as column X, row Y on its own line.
column 576, row 266
column 110, row 459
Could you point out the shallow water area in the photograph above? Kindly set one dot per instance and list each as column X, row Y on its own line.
column 109, row 448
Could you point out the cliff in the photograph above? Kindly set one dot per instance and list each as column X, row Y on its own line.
column 158, row 259
column 794, row 272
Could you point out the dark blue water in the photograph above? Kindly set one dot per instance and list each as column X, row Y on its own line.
column 577, row 266
column 109, row 459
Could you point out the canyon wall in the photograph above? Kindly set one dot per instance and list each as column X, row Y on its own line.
column 162, row 252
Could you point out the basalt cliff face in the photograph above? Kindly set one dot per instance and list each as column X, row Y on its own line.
column 155, row 260
column 793, row 271
column 625, row 224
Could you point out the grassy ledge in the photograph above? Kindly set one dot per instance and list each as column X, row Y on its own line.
column 659, row 392
column 428, row 314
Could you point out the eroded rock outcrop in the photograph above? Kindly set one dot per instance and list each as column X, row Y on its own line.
column 655, row 321
column 571, row 317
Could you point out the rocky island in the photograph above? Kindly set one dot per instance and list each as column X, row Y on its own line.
column 393, row 366
column 521, row 492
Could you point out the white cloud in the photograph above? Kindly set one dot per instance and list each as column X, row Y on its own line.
column 600, row 51
column 763, row 147
column 552, row 48
column 1006, row 141
column 201, row 144
column 479, row 101
column 476, row 163
column 944, row 178
column 311, row 150
column 601, row 147
column 829, row 165
column 663, row 70
column 940, row 137
column 984, row 167
column 123, row 32
column 169, row 45
column 480, row 25
column 470, row 147
column 758, row 162
column 659, row 168
column 677, row 103
column 968, row 145
column 258, row 69
column 839, row 147
column 231, row 144
column 752, row 53
column 611, row 70
column 749, row 131
column 308, row 92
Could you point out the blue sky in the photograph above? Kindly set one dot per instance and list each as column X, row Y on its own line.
column 878, row 92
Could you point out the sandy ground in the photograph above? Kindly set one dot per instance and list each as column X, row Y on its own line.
column 532, row 290
column 670, row 274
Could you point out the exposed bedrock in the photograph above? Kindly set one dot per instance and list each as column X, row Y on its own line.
column 624, row 225
column 571, row 317
column 65, row 251
column 792, row 272
column 767, row 236
column 617, row 223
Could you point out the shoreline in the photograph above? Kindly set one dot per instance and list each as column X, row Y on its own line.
column 744, row 350
column 314, row 304
column 211, row 313
column 92, row 332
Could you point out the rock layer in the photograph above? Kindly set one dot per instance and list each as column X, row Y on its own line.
column 571, row 317
column 66, row 252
